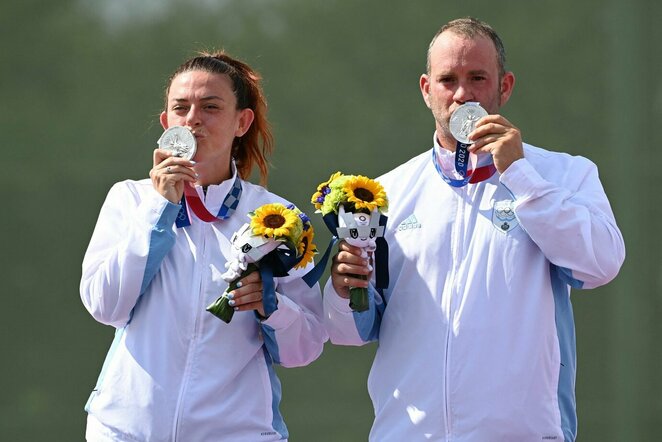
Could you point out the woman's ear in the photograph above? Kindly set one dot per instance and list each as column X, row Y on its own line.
column 246, row 117
column 163, row 118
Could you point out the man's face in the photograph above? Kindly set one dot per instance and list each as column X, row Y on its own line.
column 461, row 70
column 205, row 103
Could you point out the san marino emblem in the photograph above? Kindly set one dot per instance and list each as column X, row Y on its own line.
column 503, row 216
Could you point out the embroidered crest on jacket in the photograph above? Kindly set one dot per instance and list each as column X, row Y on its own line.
column 503, row 215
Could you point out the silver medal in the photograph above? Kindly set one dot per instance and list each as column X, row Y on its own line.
column 179, row 140
column 463, row 120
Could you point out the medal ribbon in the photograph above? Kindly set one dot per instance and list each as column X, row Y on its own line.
column 475, row 174
column 192, row 200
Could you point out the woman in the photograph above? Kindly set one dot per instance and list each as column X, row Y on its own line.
column 175, row 371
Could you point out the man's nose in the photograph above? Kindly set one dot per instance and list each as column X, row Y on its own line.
column 463, row 94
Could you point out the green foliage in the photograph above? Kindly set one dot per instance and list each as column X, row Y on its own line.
column 82, row 89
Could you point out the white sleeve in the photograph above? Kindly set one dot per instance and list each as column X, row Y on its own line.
column 339, row 318
column 571, row 222
column 296, row 325
column 129, row 241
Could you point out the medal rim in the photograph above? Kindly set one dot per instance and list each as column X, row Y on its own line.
column 458, row 113
column 190, row 141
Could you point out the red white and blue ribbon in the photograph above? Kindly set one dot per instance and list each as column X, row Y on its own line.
column 470, row 167
column 192, row 200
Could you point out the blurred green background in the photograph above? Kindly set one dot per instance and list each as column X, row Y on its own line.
column 82, row 84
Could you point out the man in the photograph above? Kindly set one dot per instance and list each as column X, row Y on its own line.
column 476, row 331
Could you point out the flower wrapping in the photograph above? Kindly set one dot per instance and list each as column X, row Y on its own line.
column 277, row 239
column 352, row 207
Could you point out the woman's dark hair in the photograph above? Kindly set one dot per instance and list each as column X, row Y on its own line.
column 254, row 146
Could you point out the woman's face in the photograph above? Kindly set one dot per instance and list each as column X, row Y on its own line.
column 205, row 103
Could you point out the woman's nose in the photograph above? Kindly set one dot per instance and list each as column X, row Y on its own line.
column 193, row 117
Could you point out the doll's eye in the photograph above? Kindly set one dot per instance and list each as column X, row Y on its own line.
column 373, row 232
column 354, row 233
column 246, row 247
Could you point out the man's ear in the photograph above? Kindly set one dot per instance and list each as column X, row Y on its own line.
column 424, row 84
column 507, row 85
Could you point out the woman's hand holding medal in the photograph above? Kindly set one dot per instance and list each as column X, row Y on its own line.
column 173, row 165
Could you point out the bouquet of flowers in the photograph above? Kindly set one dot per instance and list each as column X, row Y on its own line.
column 277, row 239
column 352, row 207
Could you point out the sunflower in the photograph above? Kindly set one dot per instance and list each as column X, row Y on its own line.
column 306, row 247
column 322, row 191
column 365, row 193
column 276, row 221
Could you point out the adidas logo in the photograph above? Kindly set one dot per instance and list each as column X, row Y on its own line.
column 410, row 223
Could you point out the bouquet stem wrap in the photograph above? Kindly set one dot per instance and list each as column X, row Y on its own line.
column 358, row 297
column 221, row 307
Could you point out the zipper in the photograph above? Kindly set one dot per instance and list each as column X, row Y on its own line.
column 456, row 243
column 194, row 336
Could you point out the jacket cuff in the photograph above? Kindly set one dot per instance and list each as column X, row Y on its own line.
column 285, row 314
column 521, row 179
column 334, row 300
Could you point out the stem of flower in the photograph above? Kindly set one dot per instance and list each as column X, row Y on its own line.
column 358, row 297
column 221, row 307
